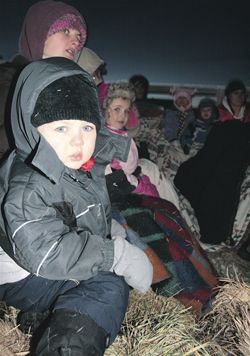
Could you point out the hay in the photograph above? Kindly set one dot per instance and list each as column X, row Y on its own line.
column 159, row 326
column 156, row 325
column 228, row 323
column 12, row 341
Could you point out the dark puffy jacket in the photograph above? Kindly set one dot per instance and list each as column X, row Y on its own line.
column 55, row 221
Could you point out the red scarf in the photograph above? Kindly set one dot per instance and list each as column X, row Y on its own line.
column 88, row 165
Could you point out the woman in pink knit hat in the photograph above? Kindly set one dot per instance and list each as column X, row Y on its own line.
column 50, row 29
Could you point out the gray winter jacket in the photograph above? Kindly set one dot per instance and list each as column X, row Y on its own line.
column 55, row 221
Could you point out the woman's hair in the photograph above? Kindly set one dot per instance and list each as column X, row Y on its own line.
column 116, row 90
column 233, row 85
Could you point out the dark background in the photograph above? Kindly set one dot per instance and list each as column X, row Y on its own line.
column 183, row 41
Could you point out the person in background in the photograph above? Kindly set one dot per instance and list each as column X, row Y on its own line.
column 117, row 105
column 143, row 174
column 233, row 105
column 50, row 29
column 145, row 106
column 180, row 123
column 57, row 255
column 141, row 86
column 207, row 115
column 211, row 180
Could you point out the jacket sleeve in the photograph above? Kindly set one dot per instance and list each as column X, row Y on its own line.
column 45, row 246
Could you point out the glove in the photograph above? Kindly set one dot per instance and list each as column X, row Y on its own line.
column 133, row 264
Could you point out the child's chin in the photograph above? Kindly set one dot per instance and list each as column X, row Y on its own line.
column 75, row 165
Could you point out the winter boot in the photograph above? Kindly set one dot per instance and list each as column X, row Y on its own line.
column 74, row 334
column 29, row 322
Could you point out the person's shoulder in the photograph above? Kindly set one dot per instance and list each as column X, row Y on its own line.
column 25, row 178
column 170, row 115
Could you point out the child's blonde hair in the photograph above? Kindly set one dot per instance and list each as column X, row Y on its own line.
column 116, row 90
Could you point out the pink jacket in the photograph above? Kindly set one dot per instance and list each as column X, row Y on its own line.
column 225, row 113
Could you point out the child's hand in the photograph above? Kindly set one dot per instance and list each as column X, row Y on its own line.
column 133, row 264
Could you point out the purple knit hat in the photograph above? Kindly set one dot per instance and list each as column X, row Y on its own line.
column 69, row 21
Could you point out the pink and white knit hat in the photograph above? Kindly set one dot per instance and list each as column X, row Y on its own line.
column 182, row 92
column 70, row 21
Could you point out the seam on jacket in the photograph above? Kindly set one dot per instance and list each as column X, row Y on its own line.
column 27, row 222
column 41, row 263
column 85, row 211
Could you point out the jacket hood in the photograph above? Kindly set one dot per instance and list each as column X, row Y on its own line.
column 89, row 60
column 30, row 145
column 37, row 23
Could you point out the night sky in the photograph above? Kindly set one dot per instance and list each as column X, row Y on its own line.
column 178, row 41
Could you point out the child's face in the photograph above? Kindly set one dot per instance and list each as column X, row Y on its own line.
column 206, row 113
column 182, row 101
column 72, row 140
column 118, row 112
column 63, row 44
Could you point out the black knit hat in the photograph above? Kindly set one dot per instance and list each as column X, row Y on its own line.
column 233, row 85
column 68, row 98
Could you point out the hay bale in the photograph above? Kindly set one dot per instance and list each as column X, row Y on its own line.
column 12, row 341
column 228, row 323
column 156, row 325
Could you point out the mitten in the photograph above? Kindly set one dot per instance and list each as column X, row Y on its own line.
column 133, row 264
column 117, row 229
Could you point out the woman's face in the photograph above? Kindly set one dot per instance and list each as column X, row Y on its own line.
column 118, row 113
column 237, row 97
column 64, row 43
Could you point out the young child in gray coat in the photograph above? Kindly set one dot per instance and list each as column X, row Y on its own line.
column 57, row 257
